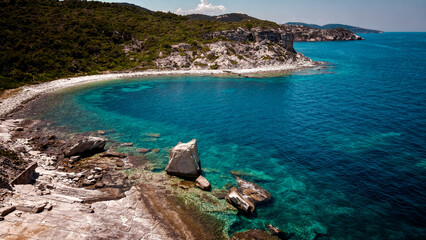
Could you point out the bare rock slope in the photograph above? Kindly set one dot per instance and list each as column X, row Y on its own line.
column 237, row 49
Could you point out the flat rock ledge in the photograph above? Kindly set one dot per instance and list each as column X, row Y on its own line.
column 64, row 215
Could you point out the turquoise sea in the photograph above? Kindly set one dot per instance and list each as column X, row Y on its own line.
column 342, row 149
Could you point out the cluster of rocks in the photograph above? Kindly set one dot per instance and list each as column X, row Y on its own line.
column 94, row 177
column 308, row 34
column 184, row 162
column 27, row 141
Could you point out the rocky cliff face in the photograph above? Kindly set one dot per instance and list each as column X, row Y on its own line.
column 277, row 36
column 309, row 34
column 236, row 49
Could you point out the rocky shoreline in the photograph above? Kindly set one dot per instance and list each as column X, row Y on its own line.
column 70, row 176
column 94, row 192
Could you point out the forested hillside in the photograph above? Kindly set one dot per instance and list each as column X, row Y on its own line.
column 43, row 40
column 332, row 26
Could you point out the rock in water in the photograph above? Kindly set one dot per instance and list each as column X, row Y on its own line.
column 252, row 191
column 143, row 150
column 184, row 160
column 247, row 196
column 202, row 183
column 237, row 199
column 126, row 144
column 84, row 146
column 100, row 132
column 278, row 233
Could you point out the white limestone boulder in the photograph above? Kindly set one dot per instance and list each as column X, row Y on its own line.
column 184, row 160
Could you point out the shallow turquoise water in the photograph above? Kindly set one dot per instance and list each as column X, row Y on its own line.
column 342, row 150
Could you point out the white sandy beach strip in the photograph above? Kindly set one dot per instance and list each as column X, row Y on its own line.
column 27, row 93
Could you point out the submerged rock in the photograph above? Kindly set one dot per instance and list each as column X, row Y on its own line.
column 253, row 234
column 184, row 160
column 202, row 183
column 252, row 191
column 155, row 150
column 278, row 233
column 126, row 144
column 143, row 150
column 220, row 193
column 252, row 173
column 154, row 135
column 84, row 146
column 100, row 132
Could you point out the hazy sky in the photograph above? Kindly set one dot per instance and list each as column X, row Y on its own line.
column 387, row 15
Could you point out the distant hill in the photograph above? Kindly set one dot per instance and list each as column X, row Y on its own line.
column 331, row 26
column 231, row 17
column 130, row 5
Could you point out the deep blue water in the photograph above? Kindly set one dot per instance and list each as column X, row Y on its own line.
column 342, row 149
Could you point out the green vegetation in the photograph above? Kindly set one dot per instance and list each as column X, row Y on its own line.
column 230, row 17
column 214, row 67
column 42, row 40
column 212, row 57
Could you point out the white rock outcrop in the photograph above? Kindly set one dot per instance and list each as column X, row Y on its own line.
column 184, row 160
